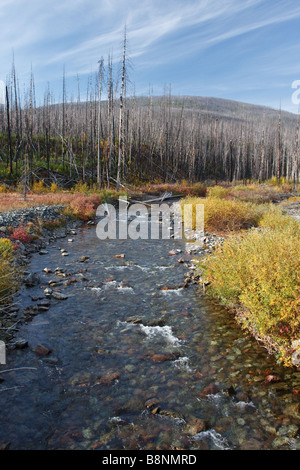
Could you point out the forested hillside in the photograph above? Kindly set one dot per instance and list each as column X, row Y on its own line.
column 138, row 139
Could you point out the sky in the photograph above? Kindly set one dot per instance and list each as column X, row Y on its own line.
column 243, row 50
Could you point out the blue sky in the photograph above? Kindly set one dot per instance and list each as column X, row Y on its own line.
column 245, row 50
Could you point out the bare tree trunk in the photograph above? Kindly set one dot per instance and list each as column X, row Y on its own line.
column 279, row 147
column 101, row 62
column 9, row 133
column 121, row 156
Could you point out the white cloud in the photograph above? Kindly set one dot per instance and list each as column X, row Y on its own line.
column 50, row 33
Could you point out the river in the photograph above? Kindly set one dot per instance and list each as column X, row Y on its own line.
column 133, row 365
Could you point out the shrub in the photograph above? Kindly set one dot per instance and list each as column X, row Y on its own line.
column 83, row 207
column 258, row 194
column 6, row 247
column 52, row 224
column 226, row 215
column 9, row 273
column 259, row 272
column 54, row 188
column 20, row 234
column 198, row 190
column 39, row 187
column 81, row 188
column 218, row 192
column 273, row 217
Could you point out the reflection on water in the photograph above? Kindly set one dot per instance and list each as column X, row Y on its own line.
column 134, row 366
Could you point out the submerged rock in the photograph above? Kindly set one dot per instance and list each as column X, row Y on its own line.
column 211, row 389
column 41, row 350
column 195, row 427
column 157, row 358
column 151, row 402
column 108, row 379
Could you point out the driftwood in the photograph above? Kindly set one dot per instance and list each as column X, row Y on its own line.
column 162, row 198
column 17, row 369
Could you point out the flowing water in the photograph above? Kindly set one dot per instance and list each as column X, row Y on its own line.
column 133, row 366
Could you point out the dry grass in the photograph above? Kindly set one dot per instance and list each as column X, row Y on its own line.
column 79, row 204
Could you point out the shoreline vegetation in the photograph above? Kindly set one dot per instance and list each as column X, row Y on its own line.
column 255, row 272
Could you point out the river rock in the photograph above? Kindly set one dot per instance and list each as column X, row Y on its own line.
column 59, row 296
column 32, row 280
column 293, row 410
column 151, row 402
column 108, row 379
column 47, row 270
column 44, row 303
column 41, row 350
column 272, row 378
column 195, row 426
column 43, row 252
column 21, row 343
column 251, row 444
column 211, row 389
column 157, row 358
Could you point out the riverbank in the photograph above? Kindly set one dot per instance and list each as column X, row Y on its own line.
column 256, row 276
column 37, row 228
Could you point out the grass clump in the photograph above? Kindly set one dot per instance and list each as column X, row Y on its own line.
column 258, row 274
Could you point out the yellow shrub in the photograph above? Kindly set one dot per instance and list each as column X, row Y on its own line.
column 273, row 217
column 54, row 188
column 218, row 192
column 81, row 187
column 39, row 187
column 260, row 272
column 225, row 215
column 6, row 247
column 9, row 273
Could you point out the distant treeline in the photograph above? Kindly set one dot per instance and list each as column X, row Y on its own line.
column 149, row 139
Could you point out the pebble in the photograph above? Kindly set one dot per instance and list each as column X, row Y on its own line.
column 59, row 296
column 47, row 270
column 41, row 350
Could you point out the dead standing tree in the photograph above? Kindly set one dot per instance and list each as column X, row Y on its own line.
column 101, row 67
column 121, row 156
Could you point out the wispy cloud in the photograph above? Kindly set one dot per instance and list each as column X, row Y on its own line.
column 49, row 34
